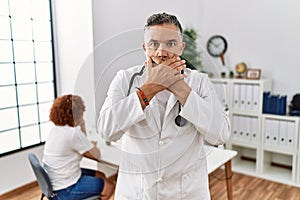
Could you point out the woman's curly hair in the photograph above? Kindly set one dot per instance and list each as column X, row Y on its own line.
column 67, row 110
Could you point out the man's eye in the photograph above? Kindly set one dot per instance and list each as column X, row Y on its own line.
column 154, row 44
column 171, row 44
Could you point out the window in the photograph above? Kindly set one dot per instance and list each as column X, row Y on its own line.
column 27, row 73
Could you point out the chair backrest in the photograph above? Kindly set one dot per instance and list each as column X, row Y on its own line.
column 41, row 176
column 44, row 180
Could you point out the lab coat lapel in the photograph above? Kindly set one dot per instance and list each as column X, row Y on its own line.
column 171, row 103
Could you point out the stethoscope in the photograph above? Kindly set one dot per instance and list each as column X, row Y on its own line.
column 179, row 121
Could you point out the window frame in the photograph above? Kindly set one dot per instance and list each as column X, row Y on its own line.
column 37, row 103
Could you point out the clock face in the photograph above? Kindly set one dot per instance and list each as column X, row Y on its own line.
column 216, row 46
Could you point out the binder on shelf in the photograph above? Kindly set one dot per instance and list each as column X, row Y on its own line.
column 282, row 101
column 274, row 104
column 291, row 134
column 274, row 132
column 267, row 131
column 281, row 105
column 277, row 105
column 235, row 127
column 256, row 97
column 236, row 96
column 266, row 102
column 254, row 130
column 282, row 133
column 249, row 97
column 242, row 96
column 247, row 129
column 241, row 128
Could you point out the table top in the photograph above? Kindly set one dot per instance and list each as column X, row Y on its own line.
column 216, row 157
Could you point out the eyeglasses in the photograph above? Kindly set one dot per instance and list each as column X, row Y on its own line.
column 168, row 45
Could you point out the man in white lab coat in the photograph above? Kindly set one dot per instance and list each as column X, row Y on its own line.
column 163, row 111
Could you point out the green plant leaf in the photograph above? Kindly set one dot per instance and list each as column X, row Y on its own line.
column 191, row 54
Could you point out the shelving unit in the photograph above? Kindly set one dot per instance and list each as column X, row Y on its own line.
column 275, row 172
column 246, row 161
column 280, row 148
column 267, row 144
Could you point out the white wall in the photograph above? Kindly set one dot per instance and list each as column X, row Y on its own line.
column 261, row 33
column 74, row 39
column 74, row 44
column 16, row 171
column 116, row 16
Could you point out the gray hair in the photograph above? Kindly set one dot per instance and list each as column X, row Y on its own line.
column 163, row 18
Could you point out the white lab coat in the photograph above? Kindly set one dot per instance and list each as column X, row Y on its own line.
column 161, row 160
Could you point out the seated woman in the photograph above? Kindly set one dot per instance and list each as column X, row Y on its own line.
column 66, row 145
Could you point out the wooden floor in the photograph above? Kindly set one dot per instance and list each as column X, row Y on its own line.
column 250, row 188
column 244, row 188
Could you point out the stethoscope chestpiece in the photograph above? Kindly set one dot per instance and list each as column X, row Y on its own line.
column 180, row 121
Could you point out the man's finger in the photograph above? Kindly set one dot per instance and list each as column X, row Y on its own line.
column 178, row 64
column 155, row 61
column 171, row 61
column 149, row 60
column 149, row 63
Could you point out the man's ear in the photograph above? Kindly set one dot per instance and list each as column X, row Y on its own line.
column 144, row 47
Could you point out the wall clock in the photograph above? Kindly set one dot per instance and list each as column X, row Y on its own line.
column 217, row 46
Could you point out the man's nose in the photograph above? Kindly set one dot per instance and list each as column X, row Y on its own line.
column 161, row 52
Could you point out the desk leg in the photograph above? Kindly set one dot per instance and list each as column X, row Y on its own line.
column 228, row 175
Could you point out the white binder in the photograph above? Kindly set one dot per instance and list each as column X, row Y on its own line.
column 247, row 129
column 243, row 96
column 254, row 130
column 256, row 97
column 267, row 131
column 241, row 135
column 236, row 96
column 274, row 132
column 282, row 133
column 235, row 127
column 249, row 97
column 290, row 134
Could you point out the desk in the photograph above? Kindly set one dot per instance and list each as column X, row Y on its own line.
column 216, row 157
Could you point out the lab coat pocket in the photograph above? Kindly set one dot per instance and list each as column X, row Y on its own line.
column 134, row 190
column 192, row 182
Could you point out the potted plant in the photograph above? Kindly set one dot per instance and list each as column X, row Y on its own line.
column 191, row 54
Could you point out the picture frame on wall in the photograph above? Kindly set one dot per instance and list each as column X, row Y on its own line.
column 253, row 74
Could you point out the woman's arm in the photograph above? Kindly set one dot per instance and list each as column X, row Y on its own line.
column 93, row 153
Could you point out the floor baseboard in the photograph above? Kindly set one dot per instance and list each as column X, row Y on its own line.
column 18, row 190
